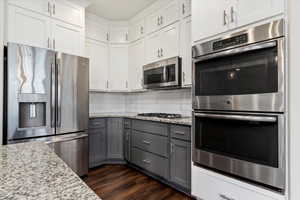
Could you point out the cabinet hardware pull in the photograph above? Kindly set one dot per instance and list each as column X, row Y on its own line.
column 107, row 36
column 183, row 9
column 172, row 148
column 126, row 36
column 107, row 84
column 54, row 44
column 142, row 30
column 54, row 10
column 179, row 133
column 183, row 77
column 158, row 21
column 225, row 197
column 161, row 20
column 48, row 43
column 158, row 53
column 232, row 14
column 224, row 18
column 147, row 161
column 161, row 52
column 126, row 84
column 146, row 142
column 49, row 9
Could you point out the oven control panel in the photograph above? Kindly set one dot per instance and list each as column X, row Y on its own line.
column 237, row 40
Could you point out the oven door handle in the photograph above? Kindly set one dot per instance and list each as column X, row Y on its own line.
column 238, row 117
column 230, row 52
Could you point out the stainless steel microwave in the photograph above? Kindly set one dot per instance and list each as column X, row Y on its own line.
column 163, row 74
column 244, row 71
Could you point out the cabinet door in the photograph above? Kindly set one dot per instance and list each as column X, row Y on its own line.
column 115, row 138
column 137, row 30
column 67, row 38
column 152, row 47
column 136, row 62
column 186, row 51
column 127, row 144
column 118, row 35
column 153, row 21
column 185, row 8
column 181, row 163
column 39, row 6
column 95, row 31
column 97, row 146
column 169, row 41
column 255, row 10
column 68, row 12
column 170, row 13
column 212, row 12
column 98, row 55
column 29, row 28
column 118, row 69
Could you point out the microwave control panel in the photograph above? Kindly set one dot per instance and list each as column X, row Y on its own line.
column 237, row 40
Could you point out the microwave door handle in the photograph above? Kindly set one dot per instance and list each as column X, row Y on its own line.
column 238, row 50
column 238, row 117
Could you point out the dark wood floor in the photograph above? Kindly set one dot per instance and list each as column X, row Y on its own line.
column 119, row 182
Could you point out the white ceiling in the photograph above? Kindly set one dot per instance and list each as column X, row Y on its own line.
column 118, row 9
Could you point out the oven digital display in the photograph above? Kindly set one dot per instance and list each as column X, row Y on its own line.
column 237, row 40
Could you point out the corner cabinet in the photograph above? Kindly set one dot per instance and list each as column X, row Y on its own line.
column 228, row 15
column 136, row 62
column 115, row 138
column 186, row 51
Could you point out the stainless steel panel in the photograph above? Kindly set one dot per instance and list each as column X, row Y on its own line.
column 72, row 149
column 255, row 34
column 28, row 81
column 260, row 173
column 72, row 93
column 268, row 102
column 163, row 64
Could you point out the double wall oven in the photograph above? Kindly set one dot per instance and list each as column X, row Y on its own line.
column 239, row 105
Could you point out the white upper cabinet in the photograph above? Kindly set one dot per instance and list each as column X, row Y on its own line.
column 152, row 51
column 185, row 8
column 96, row 31
column 118, row 69
column 136, row 62
column 29, row 28
column 163, row 44
column 250, row 11
column 68, row 12
column 40, row 6
column 226, row 15
column 137, row 30
column 67, row 38
column 163, row 17
column 169, row 42
column 118, row 35
column 186, row 51
column 208, row 18
column 97, row 52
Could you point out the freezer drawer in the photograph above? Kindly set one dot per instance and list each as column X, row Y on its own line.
column 73, row 150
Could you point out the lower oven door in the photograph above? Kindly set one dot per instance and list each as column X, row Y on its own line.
column 247, row 145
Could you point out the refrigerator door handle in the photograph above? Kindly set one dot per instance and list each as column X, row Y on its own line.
column 58, row 96
column 53, row 101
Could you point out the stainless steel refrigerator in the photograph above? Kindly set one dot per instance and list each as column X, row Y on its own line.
column 46, row 94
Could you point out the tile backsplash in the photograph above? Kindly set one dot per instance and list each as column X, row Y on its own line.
column 166, row 101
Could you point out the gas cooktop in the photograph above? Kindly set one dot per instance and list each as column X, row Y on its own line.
column 160, row 115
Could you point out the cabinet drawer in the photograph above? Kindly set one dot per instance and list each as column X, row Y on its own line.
column 151, row 162
column 97, row 123
column 150, row 127
column 127, row 123
column 152, row 143
column 181, row 132
column 202, row 184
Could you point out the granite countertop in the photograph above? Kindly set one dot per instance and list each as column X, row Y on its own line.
column 179, row 121
column 32, row 171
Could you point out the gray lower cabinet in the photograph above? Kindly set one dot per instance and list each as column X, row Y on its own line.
column 180, row 163
column 115, row 138
column 97, row 146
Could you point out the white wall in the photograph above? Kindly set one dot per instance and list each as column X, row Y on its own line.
column 294, row 98
column 166, row 101
column 1, row 65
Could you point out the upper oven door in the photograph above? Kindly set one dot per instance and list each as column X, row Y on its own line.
column 248, row 78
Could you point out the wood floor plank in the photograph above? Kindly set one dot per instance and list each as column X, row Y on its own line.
column 119, row 182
